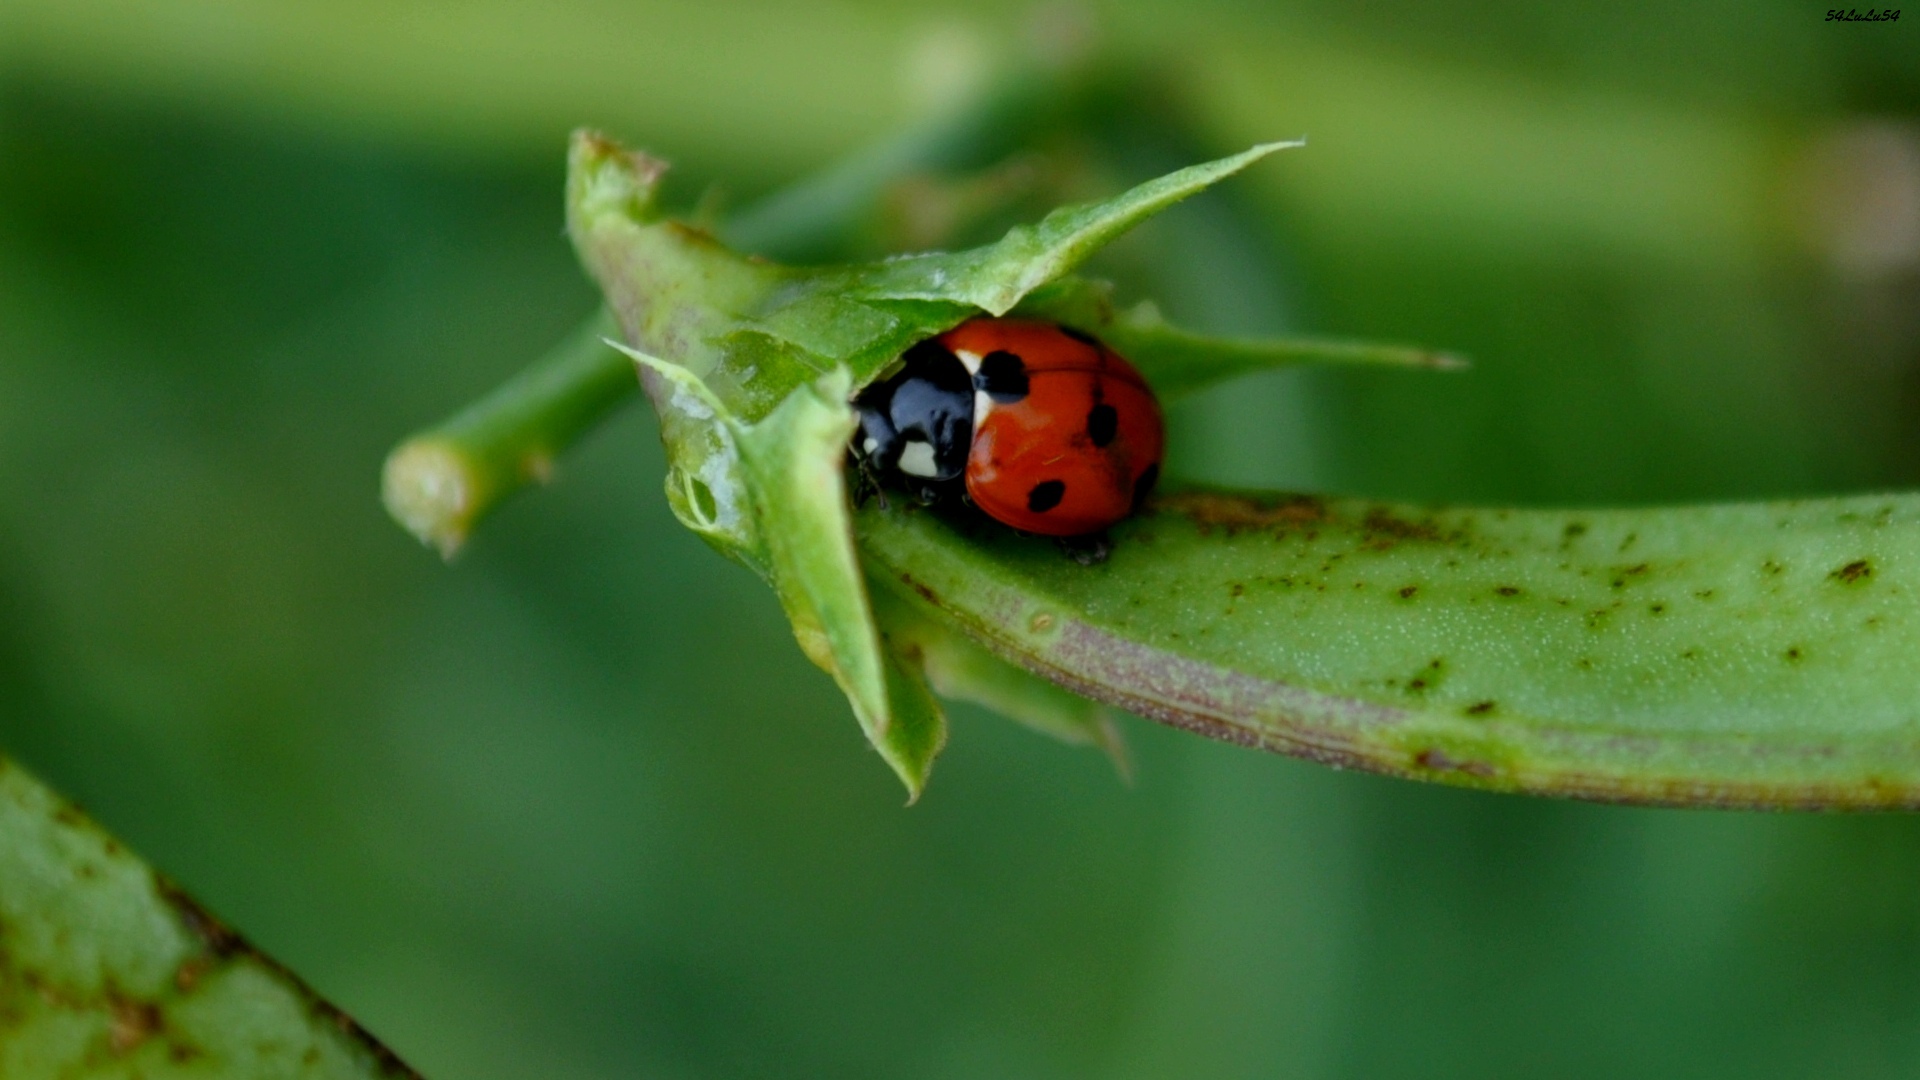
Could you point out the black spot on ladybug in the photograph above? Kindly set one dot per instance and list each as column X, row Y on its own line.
column 1002, row 377
column 1080, row 336
column 1143, row 486
column 1045, row 496
column 1102, row 423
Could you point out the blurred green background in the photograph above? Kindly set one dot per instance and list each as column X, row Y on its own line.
column 576, row 806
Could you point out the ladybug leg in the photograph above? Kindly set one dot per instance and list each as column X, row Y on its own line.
column 935, row 492
column 1091, row 549
column 868, row 483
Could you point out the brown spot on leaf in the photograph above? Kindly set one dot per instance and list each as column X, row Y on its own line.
column 1237, row 513
column 1855, row 571
column 917, row 586
column 1385, row 529
column 1407, row 591
column 1480, row 708
column 1626, row 574
column 134, row 1022
column 48, row 993
column 1440, row 761
column 188, row 974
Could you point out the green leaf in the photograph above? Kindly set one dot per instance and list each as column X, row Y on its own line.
column 754, row 332
column 1756, row 655
column 109, row 970
column 960, row 669
column 795, row 464
column 773, row 495
column 1179, row 362
column 706, row 487
column 995, row 278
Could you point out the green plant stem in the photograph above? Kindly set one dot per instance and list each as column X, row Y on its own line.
column 813, row 219
column 442, row 481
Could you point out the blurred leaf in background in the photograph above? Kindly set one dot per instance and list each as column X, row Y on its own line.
column 502, row 813
column 110, row 970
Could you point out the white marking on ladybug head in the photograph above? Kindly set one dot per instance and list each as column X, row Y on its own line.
column 916, row 459
column 870, row 445
column 982, row 405
column 969, row 360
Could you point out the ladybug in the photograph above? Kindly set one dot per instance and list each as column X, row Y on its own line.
column 1043, row 427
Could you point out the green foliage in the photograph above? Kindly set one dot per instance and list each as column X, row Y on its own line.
column 1727, row 656
column 1178, row 362
column 755, row 400
column 753, row 331
column 108, row 970
column 577, row 808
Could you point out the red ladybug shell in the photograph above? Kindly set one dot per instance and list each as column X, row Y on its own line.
column 1067, row 436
